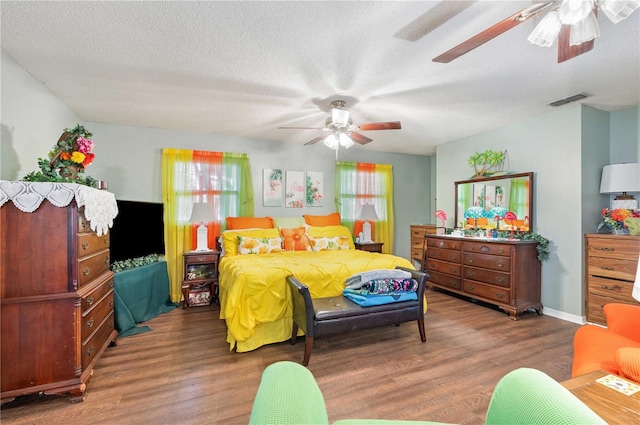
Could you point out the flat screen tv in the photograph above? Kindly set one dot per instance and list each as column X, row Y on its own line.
column 138, row 230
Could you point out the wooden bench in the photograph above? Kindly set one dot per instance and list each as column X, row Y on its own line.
column 324, row 316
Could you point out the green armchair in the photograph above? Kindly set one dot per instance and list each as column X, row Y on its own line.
column 288, row 394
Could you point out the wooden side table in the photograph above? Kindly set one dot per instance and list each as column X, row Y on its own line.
column 200, row 281
column 370, row 246
column 611, row 405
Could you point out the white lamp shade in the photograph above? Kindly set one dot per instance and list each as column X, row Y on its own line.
column 368, row 212
column 546, row 32
column 331, row 141
column 618, row 10
column 339, row 116
column 618, row 178
column 585, row 30
column 573, row 11
column 345, row 141
column 201, row 213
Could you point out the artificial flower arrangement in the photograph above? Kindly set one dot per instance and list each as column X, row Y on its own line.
column 614, row 219
column 67, row 159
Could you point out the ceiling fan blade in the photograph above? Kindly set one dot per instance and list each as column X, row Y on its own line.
column 300, row 128
column 491, row 32
column 391, row 125
column 432, row 19
column 567, row 51
column 316, row 140
column 359, row 138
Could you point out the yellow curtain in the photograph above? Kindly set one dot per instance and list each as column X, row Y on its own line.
column 357, row 184
column 177, row 235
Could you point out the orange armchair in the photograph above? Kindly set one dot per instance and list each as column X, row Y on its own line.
column 615, row 349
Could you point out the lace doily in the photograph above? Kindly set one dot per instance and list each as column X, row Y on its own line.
column 100, row 207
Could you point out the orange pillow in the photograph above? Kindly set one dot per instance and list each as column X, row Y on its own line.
column 235, row 223
column 332, row 219
column 628, row 361
column 295, row 239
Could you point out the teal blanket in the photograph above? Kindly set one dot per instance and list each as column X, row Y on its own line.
column 140, row 294
column 368, row 300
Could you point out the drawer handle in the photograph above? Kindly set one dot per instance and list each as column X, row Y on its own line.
column 484, row 249
column 471, row 274
column 500, row 250
column 111, row 324
column 611, row 288
column 471, row 287
column 452, row 269
column 470, row 260
column 85, row 245
column 89, row 301
column 606, row 248
column 90, row 351
column 111, row 284
column 106, row 241
column 472, row 248
column 500, row 264
column 111, row 303
column 107, row 259
column 85, row 271
column 500, row 295
column 200, row 258
column 455, row 257
column 90, row 323
column 607, row 268
column 500, row 279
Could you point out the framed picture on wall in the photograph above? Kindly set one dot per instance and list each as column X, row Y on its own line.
column 315, row 187
column 272, row 187
column 294, row 189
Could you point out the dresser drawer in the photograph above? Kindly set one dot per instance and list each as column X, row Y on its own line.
column 487, row 261
column 83, row 223
column 418, row 232
column 416, row 253
column 613, row 289
column 487, row 291
column 93, row 266
column 92, row 298
column 443, row 243
column 614, row 268
column 443, row 267
column 487, row 248
column 417, row 243
column 444, row 254
column 621, row 247
column 203, row 258
column 595, row 312
column 88, row 243
column 92, row 346
column 97, row 314
column 488, row 276
column 445, row 280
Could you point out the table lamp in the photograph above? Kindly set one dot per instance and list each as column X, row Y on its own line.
column 202, row 213
column 621, row 178
column 367, row 213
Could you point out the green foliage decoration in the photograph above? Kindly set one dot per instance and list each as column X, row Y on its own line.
column 132, row 263
column 484, row 163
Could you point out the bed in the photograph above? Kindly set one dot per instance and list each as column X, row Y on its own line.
column 255, row 300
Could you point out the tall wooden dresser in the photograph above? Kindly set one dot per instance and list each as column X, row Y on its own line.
column 56, row 300
column 418, row 232
column 610, row 270
column 505, row 273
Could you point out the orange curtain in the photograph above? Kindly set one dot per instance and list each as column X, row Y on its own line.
column 207, row 189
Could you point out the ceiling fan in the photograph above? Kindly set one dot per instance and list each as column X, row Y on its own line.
column 573, row 22
column 339, row 129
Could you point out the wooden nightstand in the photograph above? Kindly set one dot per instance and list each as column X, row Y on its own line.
column 200, row 281
column 370, row 246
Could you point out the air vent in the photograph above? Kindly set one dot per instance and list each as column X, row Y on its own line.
column 570, row 99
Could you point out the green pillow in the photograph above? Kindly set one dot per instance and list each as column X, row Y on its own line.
column 288, row 222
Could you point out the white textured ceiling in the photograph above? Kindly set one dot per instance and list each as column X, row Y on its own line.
column 246, row 68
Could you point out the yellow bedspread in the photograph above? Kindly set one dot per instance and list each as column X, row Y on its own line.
column 255, row 300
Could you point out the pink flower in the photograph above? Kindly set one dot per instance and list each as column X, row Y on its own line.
column 84, row 145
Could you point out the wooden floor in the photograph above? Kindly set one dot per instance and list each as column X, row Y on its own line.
column 182, row 372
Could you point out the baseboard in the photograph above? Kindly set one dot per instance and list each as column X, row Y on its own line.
column 580, row 320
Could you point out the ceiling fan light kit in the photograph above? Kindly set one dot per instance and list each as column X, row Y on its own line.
column 573, row 22
column 340, row 130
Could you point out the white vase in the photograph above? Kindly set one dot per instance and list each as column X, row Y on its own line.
column 619, row 231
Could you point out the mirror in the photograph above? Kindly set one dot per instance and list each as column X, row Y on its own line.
column 513, row 192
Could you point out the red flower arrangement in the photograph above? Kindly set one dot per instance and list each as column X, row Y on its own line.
column 614, row 219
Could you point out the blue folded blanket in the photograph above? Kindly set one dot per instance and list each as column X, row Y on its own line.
column 368, row 300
